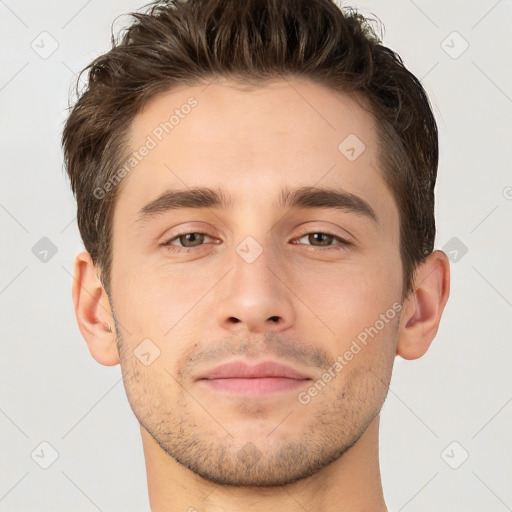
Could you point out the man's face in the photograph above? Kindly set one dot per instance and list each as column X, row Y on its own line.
column 257, row 282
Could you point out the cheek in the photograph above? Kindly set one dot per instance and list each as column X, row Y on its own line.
column 360, row 305
column 162, row 305
column 351, row 297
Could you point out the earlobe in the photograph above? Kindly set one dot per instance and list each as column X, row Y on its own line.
column 424, row 306
column 93, row 312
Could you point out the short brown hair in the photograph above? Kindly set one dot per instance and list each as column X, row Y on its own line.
column 189, row 42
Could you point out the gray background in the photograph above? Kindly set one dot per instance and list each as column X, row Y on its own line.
column 453, row 403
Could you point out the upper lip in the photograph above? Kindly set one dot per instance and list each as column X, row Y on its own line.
column 241, row 370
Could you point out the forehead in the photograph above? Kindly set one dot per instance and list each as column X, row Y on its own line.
column 253, row 143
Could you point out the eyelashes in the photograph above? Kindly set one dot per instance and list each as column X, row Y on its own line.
column 342, row 243
column 179, row 236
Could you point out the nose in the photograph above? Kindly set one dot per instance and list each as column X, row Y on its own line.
column 256, row 296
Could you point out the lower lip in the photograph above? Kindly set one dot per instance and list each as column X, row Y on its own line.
column 254, row 386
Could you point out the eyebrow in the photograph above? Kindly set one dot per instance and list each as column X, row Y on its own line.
column 303, row 197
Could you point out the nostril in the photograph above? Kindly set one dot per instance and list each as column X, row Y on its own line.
column 274, row 318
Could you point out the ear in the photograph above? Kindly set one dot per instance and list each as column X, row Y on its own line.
column 93, row 312
column 424, row 306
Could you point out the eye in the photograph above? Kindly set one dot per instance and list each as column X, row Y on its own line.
column 187, row 240
column 192, row 239
column 324, row 240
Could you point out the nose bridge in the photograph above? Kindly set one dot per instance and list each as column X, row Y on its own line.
column 254, row 293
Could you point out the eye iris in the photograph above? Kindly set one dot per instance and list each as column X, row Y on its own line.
column 197, row 236
column 190, row 240
column 313, row 237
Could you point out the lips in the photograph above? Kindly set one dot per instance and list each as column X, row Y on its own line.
column 241, row 370
column 238, row 379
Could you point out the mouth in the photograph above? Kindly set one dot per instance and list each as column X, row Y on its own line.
column 264, row 378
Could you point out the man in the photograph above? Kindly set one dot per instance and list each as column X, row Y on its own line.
column 255, row 188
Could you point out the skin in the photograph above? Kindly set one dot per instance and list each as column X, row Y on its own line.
column 209, row 451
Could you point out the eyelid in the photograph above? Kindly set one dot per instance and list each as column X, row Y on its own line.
column 202, row 228
column 183, row 233
column 308, row 230
column 342, row 241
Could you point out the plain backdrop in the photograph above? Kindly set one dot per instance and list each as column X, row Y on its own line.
column 68, row 438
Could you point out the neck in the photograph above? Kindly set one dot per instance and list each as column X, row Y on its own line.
column 350, row 483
